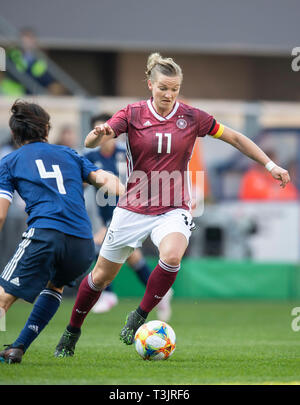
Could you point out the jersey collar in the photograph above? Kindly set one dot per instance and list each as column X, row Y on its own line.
column 159, row 117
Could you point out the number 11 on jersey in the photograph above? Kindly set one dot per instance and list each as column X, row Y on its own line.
column 160, row 141
column 56, row 174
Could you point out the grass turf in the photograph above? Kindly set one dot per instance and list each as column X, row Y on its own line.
column 218, row 342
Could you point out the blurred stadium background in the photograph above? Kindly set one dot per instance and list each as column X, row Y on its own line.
column 237, row 58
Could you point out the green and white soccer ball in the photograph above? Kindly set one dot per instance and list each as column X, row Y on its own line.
column 155, row 340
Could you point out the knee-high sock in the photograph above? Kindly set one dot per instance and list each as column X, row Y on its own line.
column 160, row 281
column 43, row 310
column 87, row 296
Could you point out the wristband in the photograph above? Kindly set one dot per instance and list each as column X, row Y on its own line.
column 270, row 165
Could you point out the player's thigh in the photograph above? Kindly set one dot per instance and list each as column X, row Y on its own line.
column 172, row 248
column 29, row 270
column 105, row 271
column 73, row 258
column 127, row 231
column 171, row 235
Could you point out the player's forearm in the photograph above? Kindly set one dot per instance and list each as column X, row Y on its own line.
column 108, row 182
column 4, row 205
column 92, row 140
column 246, row 146
column 101, row 133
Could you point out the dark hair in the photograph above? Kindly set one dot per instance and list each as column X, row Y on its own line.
column 29, row 123
column 100, row 117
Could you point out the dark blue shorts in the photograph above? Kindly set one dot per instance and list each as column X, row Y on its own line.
column 45, row 255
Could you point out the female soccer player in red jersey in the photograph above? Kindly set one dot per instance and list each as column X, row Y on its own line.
column 161, row 133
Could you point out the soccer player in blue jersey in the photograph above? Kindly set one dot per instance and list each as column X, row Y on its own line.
column 110, row 157
column 58, row 246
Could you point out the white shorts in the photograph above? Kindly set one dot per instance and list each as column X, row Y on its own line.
column 128, row 230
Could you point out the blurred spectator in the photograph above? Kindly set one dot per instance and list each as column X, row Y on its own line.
column 9, row 87
column 7, row 147
column 27, row 59
column 68, row 136
column 258, row 184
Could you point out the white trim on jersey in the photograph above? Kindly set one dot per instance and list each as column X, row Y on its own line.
column 189, row 204
column 12, row 264
column 159, row 117
column 6, row 194
column 129, row 158
column 189, row 178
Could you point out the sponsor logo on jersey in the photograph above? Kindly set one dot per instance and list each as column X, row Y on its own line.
column 147, row 124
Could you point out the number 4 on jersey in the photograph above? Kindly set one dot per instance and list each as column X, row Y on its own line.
column 56, row 174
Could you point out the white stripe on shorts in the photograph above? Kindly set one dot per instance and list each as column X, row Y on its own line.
column 12, row 264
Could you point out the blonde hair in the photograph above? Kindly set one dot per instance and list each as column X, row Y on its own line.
column 166, row 66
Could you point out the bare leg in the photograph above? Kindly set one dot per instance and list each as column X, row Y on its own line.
column 6, row 300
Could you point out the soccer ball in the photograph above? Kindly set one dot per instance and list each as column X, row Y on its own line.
column 155, row 340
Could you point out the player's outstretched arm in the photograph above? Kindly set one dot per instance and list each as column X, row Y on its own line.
column 108, row 182
column 99, row 135
column 250, row 149
column 4, row 205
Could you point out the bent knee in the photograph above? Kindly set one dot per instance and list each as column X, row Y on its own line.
column 6, row 300
column 54, row 288
column 172, row 259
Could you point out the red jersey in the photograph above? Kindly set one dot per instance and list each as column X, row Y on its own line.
column 158, row 153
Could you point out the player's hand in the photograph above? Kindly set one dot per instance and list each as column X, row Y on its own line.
column 95, row 136
column 281, row 174
column 109, row 183
column 103, row 129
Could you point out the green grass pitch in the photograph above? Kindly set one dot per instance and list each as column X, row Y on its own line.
column 218, row 342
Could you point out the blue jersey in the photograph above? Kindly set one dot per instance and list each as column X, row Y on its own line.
column 109, row 163
column 49, row 179
column 114, row 164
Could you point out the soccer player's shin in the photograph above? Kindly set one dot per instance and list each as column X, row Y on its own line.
column 159, row 283
column 88, row 294
column 43, row 310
